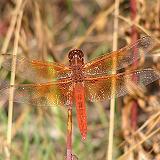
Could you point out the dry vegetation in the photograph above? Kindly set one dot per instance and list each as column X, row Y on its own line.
column 48, row 30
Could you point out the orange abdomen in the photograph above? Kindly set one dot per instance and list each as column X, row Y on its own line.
column 79, row 95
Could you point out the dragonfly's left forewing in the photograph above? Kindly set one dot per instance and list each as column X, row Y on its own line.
column 101, row 88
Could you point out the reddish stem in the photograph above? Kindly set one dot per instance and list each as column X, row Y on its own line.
column 3, row 28
column 134, row 111
column 69, row 134
column 134, row 36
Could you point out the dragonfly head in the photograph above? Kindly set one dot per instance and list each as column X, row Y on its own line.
column 76, row 57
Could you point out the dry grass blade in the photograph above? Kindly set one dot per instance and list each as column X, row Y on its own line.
column 152, row 118
column 12, row 26
column 112, row 102
column 137, row 144
column 10, row 111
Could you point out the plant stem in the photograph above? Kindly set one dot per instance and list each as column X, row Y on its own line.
column 69, row 134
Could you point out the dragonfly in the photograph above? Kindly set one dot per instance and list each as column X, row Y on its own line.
column 58, row 85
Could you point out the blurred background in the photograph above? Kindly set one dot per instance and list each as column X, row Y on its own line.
column 49, row 29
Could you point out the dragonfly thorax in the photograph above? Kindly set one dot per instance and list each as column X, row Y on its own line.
column 76, row 63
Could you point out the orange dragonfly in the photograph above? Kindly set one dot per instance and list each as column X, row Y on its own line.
column 59, row 85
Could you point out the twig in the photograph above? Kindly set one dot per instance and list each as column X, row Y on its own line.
column 112, row 102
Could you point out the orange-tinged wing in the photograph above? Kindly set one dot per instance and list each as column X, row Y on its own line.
column 36, row 71
column 99, row 89
column 124, row 57
column 45, row 94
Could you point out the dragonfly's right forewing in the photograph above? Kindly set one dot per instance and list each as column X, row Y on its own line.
column 45, row 94
column 119, row 59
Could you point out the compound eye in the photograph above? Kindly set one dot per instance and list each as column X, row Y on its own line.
column 70, row 55
column 81, row 54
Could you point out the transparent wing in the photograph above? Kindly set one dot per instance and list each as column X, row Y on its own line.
column 99, row 89
column 36, row 71
column 123, row 57
column 45, row 94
